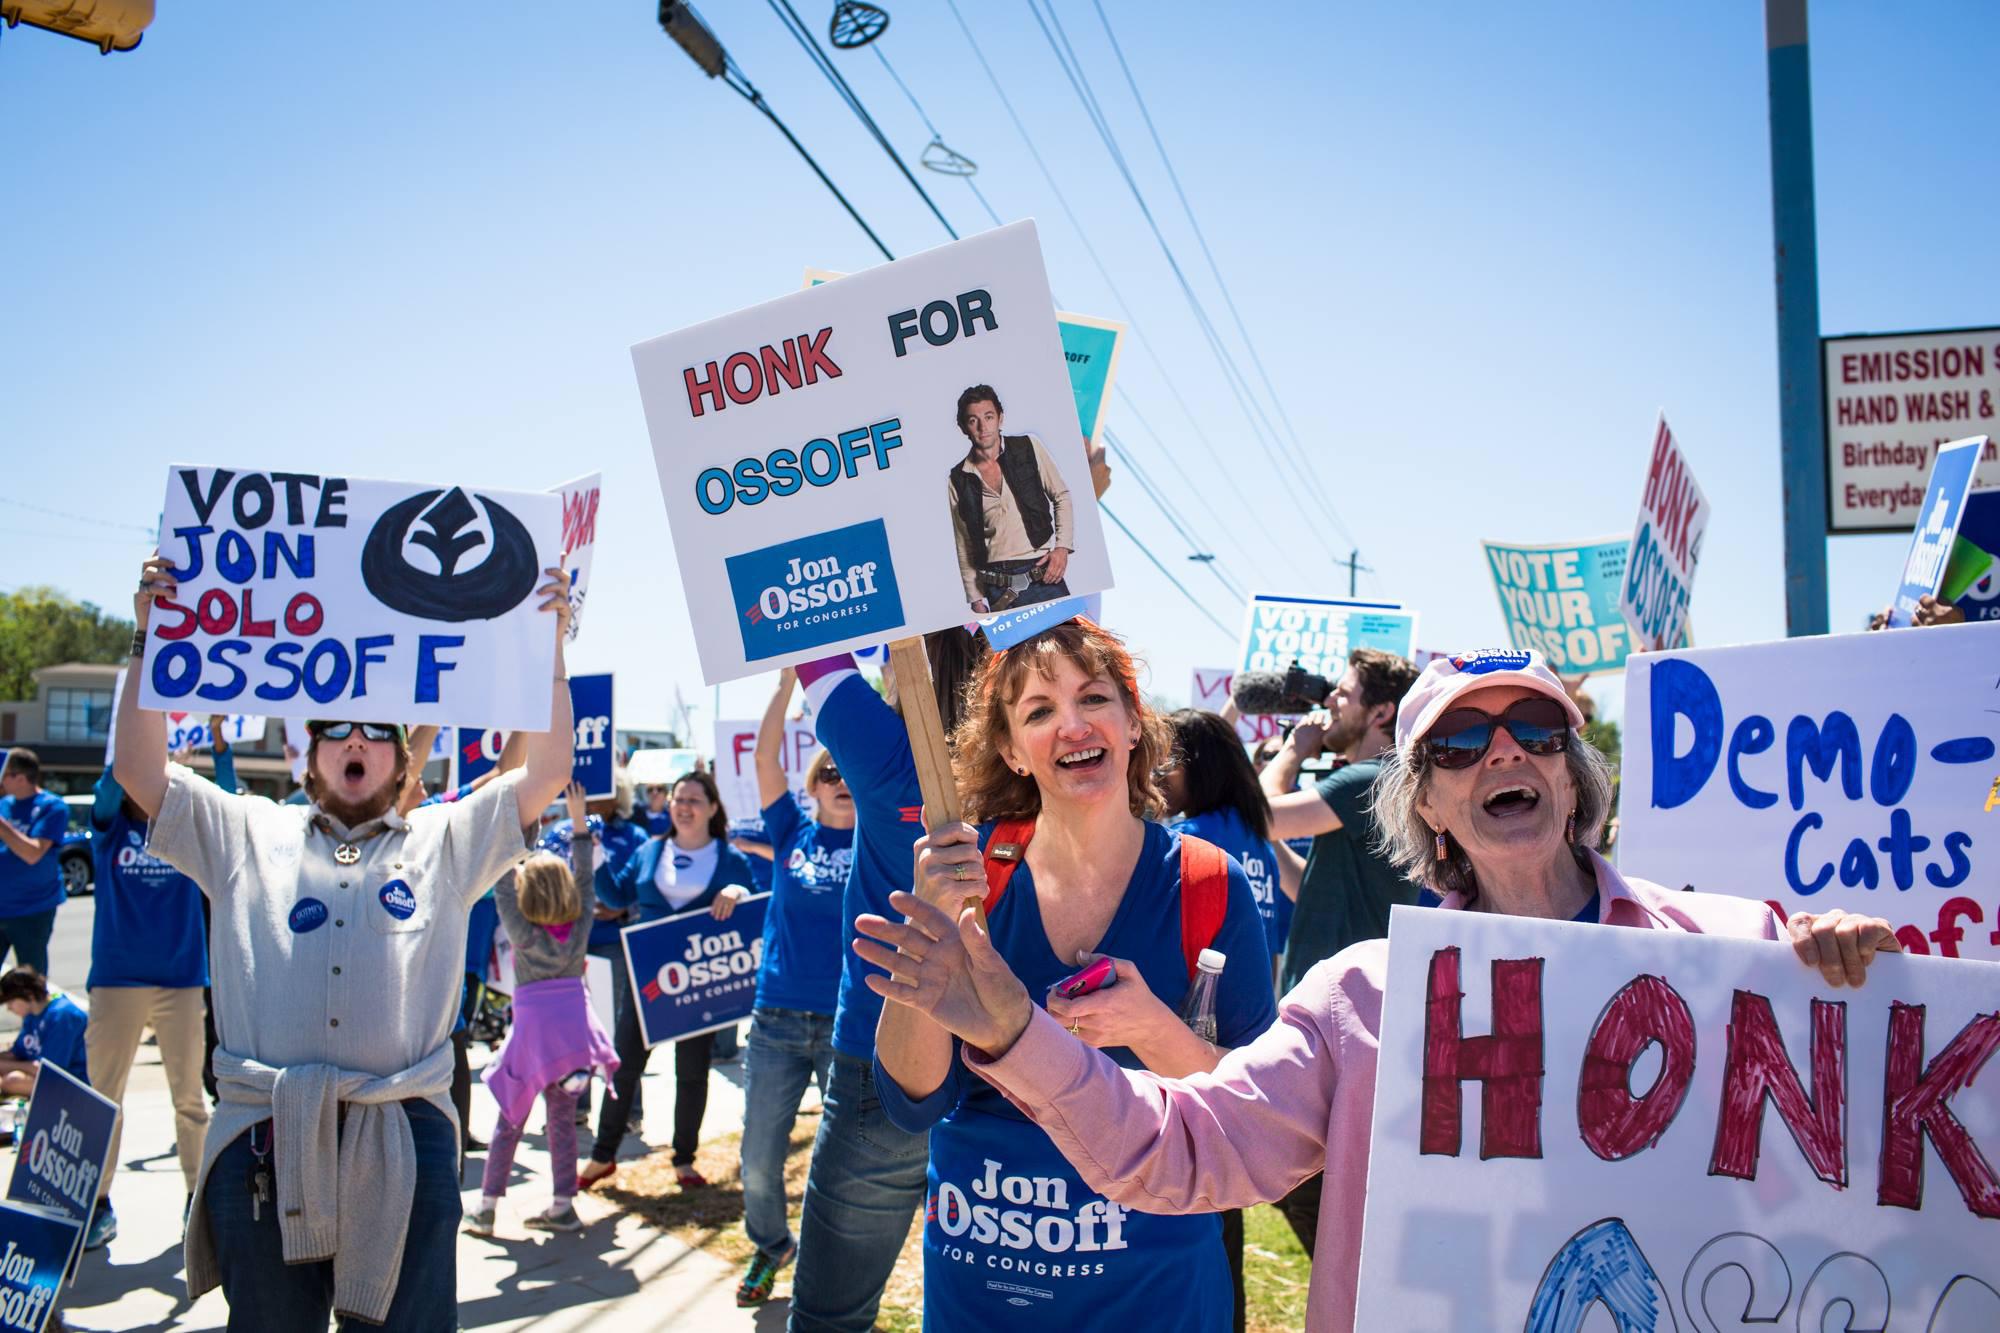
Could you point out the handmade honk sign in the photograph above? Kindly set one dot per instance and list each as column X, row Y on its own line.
column 579, row 540
column 873, row 458
column 736, row 762
column 1666, row 544
column 306, row 596
column 1317, row 633
column 1562, row 601
column 1854, row 771
column 1593, row 1127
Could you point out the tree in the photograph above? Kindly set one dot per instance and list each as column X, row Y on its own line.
column 40, row 627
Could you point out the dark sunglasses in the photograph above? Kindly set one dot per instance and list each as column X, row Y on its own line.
column 1462, row 736
column 828, row 774
column 374, row 731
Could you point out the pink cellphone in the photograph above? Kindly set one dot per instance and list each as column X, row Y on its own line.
column 1095, row 977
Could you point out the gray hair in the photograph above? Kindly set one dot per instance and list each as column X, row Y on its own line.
column 1410, row 844
column 622, row 792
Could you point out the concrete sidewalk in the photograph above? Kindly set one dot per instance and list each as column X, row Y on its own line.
column 618, row 1274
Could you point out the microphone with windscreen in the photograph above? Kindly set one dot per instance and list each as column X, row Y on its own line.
column 1293, row 691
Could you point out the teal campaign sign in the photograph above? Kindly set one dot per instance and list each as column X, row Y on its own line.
column 1090, row 346
column 1562, row 602
column 35, row 1248
column 1317, row 633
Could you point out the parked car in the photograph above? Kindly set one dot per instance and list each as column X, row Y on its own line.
column 79, row 866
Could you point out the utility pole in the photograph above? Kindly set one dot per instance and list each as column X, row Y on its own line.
column 1801, row 397
column 1354, row 567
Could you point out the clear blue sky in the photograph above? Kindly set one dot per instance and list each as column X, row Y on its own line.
column 1478, row 248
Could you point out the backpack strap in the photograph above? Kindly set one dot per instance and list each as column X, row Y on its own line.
column 1005, row 849
column 1204, row 896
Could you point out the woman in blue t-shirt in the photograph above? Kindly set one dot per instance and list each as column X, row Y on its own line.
column 692, row 869
column 798, row 983
column 1211, row 791
column 1013, row 1238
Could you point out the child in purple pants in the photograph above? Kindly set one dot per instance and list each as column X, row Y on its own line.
column 556, row 1041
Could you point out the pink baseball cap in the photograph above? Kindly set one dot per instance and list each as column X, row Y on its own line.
column 1446, row 678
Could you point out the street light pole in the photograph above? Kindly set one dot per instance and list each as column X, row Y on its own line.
column 1801, row 399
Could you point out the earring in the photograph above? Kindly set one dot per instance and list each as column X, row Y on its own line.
column 1569, row 829
column 1443, row 853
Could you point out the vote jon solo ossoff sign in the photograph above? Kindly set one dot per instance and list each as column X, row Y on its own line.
column 817, row 457
column 304, row 595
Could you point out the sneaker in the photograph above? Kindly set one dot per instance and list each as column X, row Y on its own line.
column 762, row 1275
column 103, row 1227
column 479, row 1222
column 563, row 1219
column 689, row 1178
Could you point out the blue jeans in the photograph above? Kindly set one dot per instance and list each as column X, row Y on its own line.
column 264, row 1292
column 866, row 1183
column 788, row 1048
column 28, row 937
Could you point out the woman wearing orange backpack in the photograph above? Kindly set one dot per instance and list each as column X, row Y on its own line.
column 1054, row 762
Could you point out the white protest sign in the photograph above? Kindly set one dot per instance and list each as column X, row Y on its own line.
column 320, row 596
column 297, row 743
column 579, row 540
column 1666, row 544
column 1891, row 400
column 1317, row 633
column 186, row 731
column 1856, row 771
column 1211, row 692
column 809, row 452
column 736, row 763
column 1685, row 1130
column 1562, row 602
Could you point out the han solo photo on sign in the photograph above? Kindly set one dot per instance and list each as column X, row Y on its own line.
column 1010, row 512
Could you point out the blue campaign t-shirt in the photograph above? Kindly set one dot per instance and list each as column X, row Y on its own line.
column 752, row 832
column 55, row 1035
column 659, row 823
column 617, row 841
column 1226, row 829
column 148, row 929
column 1011, row 1232
column 804, row 936
column 867, row 741
column 27, row 889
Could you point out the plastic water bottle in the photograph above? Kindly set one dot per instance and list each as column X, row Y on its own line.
column 1198, row 1010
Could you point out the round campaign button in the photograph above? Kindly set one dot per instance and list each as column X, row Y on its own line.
column 398, row 901
column 307, row 914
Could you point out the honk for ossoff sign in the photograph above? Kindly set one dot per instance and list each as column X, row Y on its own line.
column 307, row 595
column 807, row 450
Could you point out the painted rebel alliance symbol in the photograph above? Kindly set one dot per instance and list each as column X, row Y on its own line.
column 442, row 522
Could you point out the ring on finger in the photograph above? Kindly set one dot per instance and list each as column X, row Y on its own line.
column 1073, row 1030
column 963, row 870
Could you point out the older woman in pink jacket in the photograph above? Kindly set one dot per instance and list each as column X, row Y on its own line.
column 1497, row 802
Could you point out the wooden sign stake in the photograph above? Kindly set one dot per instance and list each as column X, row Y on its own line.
column 917, row 699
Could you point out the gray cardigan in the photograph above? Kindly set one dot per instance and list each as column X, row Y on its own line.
column 538, row 955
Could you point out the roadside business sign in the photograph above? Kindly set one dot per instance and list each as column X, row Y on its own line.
column 1891, row 400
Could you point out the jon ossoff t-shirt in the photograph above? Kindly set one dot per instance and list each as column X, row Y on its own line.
column 804, row 936
column 1013, row 1238
column 27, row 889
column 1226, row 829
column 55, row 1035
column 148, row 929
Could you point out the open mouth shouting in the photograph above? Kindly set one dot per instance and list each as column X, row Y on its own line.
column 1512, row 802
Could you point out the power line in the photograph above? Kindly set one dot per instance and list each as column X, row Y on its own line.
column 1079, row 80
column 78, row 518
column 1167, row 573
column 803, row 35
column 1097, row 261
column 1200, row 237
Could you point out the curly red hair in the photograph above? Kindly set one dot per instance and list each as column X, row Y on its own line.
column 989, row 788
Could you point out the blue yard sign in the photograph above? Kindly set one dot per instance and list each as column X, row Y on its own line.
column 1972, row 573
column 65, row 1143
column 693, row 974
column 590, row 706
column 1937, row 526
column 35, row 1249
column 590, row 703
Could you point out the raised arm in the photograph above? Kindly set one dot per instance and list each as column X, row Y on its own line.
column 224, row 756
column 771, row 740
column 141, row 764
column 547, row 756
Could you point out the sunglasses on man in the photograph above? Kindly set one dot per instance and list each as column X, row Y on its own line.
column 1461, row 737
column 374, row 731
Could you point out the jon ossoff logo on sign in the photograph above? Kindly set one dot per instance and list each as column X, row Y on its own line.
column 814, row 590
